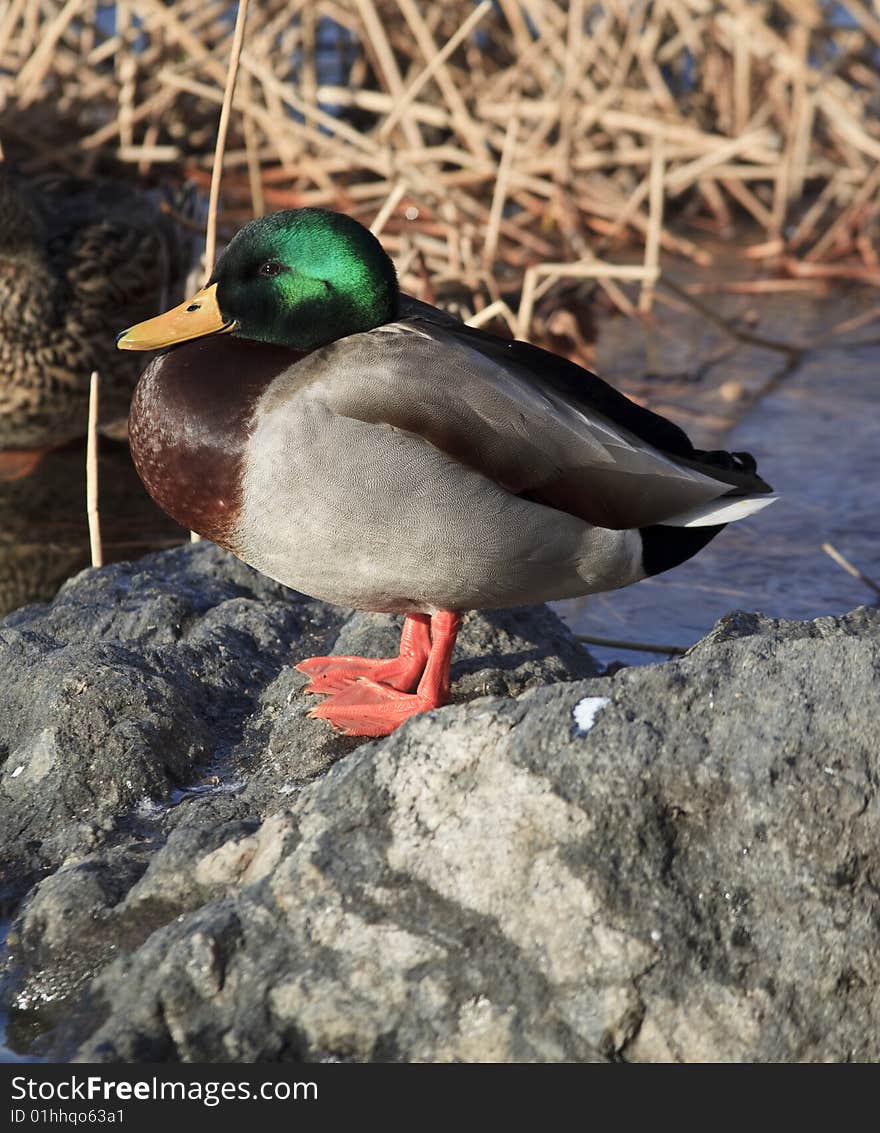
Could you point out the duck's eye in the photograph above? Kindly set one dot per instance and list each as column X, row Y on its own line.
column 271, row 267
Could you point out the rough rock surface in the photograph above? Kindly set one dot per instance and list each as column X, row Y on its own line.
column 151, row 712
column 676, row 862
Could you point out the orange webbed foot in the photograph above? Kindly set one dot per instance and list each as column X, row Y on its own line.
column 361, row 705
column 333, row 674
column 368, row 708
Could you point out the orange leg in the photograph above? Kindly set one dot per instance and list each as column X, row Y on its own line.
column 332, row 674
column 372, row 708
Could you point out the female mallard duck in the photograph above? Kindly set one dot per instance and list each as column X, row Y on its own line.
column 369, row 450
column 71, row 254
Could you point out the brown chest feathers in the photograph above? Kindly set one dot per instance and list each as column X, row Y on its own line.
column 189, row 424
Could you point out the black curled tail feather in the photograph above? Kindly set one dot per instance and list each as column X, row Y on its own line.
column 666, row 547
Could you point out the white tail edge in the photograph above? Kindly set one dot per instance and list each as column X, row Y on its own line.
column 721, row 511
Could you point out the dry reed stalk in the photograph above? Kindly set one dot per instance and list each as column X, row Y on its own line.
column 843, row 122
column 867, row 19
column 92, row 510
column 714, row 198
column 742, row 73
column 497, row 309
column 499, row 195
column 862, row 273
column 574, row 77
column 9, row 21
column 435, row 65
column 752, row 286
column 148, row 153
column 380, row 102
column 592, row 270
column 765, row 250
column 219, row 149
column 745, row 197
column 763, row 109
column 867, row 192
column 655, row 224
column 687, row 175
column 612, row 206
column 391, row 202
column 308, row 40
column 843, row 561
column 32, row 73
column 388, row 68
column 222, row 129
column 855, row 323
column 255, row 178
column 126, row 70
column 637, row 646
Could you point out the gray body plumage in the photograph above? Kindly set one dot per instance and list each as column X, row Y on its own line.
column 406, row 469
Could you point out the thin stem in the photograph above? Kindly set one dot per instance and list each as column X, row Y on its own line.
column 92, row 512
column 222, row 129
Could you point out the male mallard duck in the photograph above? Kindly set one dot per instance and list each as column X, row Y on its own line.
column 369, row 450
column 71, row 254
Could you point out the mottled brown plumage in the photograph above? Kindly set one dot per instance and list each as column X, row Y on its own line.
column 73, row 257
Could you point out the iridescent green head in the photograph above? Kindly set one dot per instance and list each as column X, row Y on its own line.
column 300, row 278
column 303, row 278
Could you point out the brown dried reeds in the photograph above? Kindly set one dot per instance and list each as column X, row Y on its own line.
column 505, row 151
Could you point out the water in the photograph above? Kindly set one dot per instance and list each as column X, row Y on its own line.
column 816, row 438
column 43, row 528
column 7, row 1054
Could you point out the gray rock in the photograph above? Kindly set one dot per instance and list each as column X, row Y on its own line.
column 151, row 714
column 674, row 863
column 125, row 688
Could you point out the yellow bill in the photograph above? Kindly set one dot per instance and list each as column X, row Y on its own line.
column 194, row 318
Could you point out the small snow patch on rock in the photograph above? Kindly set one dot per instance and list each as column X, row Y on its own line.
column 586, row 711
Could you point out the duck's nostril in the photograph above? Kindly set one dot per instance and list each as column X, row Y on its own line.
column 194, row 307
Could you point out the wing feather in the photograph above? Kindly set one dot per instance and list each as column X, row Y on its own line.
column 487, row 404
